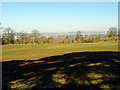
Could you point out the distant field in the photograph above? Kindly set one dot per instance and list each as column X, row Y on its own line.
column 37, row 51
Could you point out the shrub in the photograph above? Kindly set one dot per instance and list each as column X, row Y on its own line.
column 87, row 41
column 105, row 40
column 26, row 42
column 62, row 41
column 72, row 41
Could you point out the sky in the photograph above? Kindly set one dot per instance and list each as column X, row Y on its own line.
column 59, row 16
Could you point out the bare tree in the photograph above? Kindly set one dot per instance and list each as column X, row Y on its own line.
column 78, row 35
column 22, row 37
column 9, row 35
column 112, row 32
column 1, row 34
column 35, row 35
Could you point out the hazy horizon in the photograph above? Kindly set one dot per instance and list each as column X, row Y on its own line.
column 60, row 16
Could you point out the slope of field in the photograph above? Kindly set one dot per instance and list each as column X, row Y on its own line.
column 84, row 70
column 37, row 51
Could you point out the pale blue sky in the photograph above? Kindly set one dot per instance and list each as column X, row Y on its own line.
column 60, row 16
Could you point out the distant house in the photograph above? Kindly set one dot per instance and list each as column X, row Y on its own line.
column 16, row 37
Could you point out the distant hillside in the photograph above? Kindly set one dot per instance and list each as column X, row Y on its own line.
column 70, row 33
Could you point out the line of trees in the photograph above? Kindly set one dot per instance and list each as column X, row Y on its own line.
column 112, row 34
column 10, row 37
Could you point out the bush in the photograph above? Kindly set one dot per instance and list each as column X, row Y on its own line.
column 87, row 41
column 31, row 42
column 43, row 41
column 26, row 42
column 93, row 39
column 105, row 40
column 62, row 42
column 12, row 41
column 37, row 42
column 82, row 39
column 72, row 41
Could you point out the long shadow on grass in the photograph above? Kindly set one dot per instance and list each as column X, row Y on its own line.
column 85, row 70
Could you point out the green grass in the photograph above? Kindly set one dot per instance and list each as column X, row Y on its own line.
column 37, row 51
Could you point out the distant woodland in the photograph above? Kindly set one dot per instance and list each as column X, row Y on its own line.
column 9, row 36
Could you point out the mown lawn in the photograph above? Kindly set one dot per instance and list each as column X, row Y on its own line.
column 37, row 51
column 86, row 66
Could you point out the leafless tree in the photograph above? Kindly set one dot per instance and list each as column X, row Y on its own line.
column 112, row 32
column 9, row 36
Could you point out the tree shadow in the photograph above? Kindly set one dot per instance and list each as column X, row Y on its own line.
column 85, row 70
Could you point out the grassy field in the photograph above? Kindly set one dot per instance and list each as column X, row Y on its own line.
column 86, row 66
column 37, row 51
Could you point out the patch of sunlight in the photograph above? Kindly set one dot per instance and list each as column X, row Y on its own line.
column 54, row 62
column 78, row 63
column 38, row 61
column 91, row 64
column 22, row 84
column 93, row 75
column 105, row 87
column 109, row 76
column 19, row 85
column 96, row 81
column 106, row 65
column 25, row 63
column 94, row 64
column 79, row 81
column 26, row 74
column 33, row 78
column 49, row 69
column 87, row 83
column 72, row 65
column 115, row 60
column 59, row 78
column 99, row 63
column 12, row 82
column 28, row 63
column 62, row 68
column 78, row 57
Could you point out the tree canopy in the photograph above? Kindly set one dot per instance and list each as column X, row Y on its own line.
column 112, row 31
